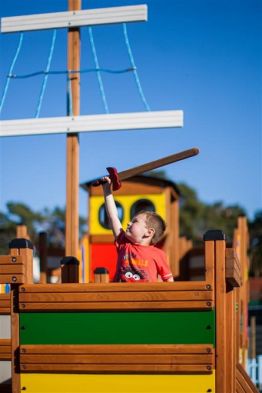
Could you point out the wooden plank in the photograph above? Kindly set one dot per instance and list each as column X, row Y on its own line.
column 43, row 252
column 120, row 358
column 5, row 303
column 189, row 305
column 122, row 368
column 71, row 274
column 244, row 381
column 115, row 296
column 12, row 278
column 108, row 359
column 21, row 231
column 239, row 388
column 210, row 264
column 12, row 269
column 116, row 287
column 10, row 259
column 15, row 338
column 230, row 347
column 221, row 371
column 5, row 349
column 92, row 123
column 118, row 383
column 27, row 256
column 137, row 13
column 118, row 349
column 233, row 268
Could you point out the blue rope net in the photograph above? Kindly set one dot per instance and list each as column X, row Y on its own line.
column 97, row 69
column 19, row 46
column 132, row 61
column 100, row 82
column 44, row 84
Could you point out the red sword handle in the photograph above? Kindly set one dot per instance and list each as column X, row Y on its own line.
column 113, row 174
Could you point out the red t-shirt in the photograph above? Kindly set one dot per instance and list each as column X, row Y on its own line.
column 137, row 263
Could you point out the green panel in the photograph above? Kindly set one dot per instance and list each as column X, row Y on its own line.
column 179, row 327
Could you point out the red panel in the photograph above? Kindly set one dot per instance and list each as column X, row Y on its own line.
column 103, row 255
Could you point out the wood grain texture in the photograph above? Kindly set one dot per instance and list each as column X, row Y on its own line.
column 5, row 349
column 233, row 268
column 244, row 383
column 221, row 370
column 5, row 303
column 116, row 296
column 115, row 358
column 10, row 259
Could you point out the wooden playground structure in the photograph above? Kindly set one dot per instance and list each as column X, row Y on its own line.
column 96, row 336
column 186, row 336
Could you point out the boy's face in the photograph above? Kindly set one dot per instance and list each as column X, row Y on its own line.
column 137, row 230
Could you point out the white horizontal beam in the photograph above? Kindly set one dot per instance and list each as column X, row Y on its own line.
column 92, row 123
column 67, row 19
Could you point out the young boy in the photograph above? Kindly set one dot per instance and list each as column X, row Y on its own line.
column 138, row 259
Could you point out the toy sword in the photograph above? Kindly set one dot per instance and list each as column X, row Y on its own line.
column 149, row 166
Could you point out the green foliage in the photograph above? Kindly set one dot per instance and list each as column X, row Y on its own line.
column 197, row 217
column 51, row 221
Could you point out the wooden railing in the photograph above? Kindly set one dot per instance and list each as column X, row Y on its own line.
column 176, row 329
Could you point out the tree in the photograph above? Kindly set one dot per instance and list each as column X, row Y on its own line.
column 197, row 217
column 51, row 221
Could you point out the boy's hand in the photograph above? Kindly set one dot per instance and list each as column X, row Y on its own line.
column 106, row 183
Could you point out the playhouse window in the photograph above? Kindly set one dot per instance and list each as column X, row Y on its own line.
column 103, row 218
column 141, row 204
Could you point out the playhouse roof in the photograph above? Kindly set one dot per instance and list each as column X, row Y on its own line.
column 144, row 179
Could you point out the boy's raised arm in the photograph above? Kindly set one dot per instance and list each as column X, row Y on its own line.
column 111, row 207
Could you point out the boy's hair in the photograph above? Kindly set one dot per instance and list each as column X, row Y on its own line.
column 155, row 221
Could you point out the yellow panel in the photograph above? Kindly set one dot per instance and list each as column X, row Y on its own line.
column 126, row 201
column 84, row 383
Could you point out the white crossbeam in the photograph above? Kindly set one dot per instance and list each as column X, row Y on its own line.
column 92, row 123
column 99, row 16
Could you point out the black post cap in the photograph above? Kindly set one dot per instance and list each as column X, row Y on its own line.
column 101, row 270
column 21, row 243
column 214, row 234
column 69, row 261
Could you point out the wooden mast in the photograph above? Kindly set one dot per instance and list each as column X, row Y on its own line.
column 72, row 149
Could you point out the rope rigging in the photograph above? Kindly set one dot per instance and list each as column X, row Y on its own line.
column 46, row 74
column 19, row 46
column 97, row 69
column 100, row 82
column 132, row 61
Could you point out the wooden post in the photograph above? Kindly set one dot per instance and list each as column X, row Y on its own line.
column 72, row 172
column 69, row 270
column 236, row 243
column 24, row 248
column 101, row 275
column 244, row 290
column 253, row 337
column 174, row 211
column 21, row 232
column 215, row 240
column 43, row 256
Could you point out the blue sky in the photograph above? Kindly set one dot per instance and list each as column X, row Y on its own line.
column 200, row 56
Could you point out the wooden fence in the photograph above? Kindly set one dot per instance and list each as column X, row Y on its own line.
column 101, row 337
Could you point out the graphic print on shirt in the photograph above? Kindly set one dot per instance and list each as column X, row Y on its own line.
column 132, row 269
